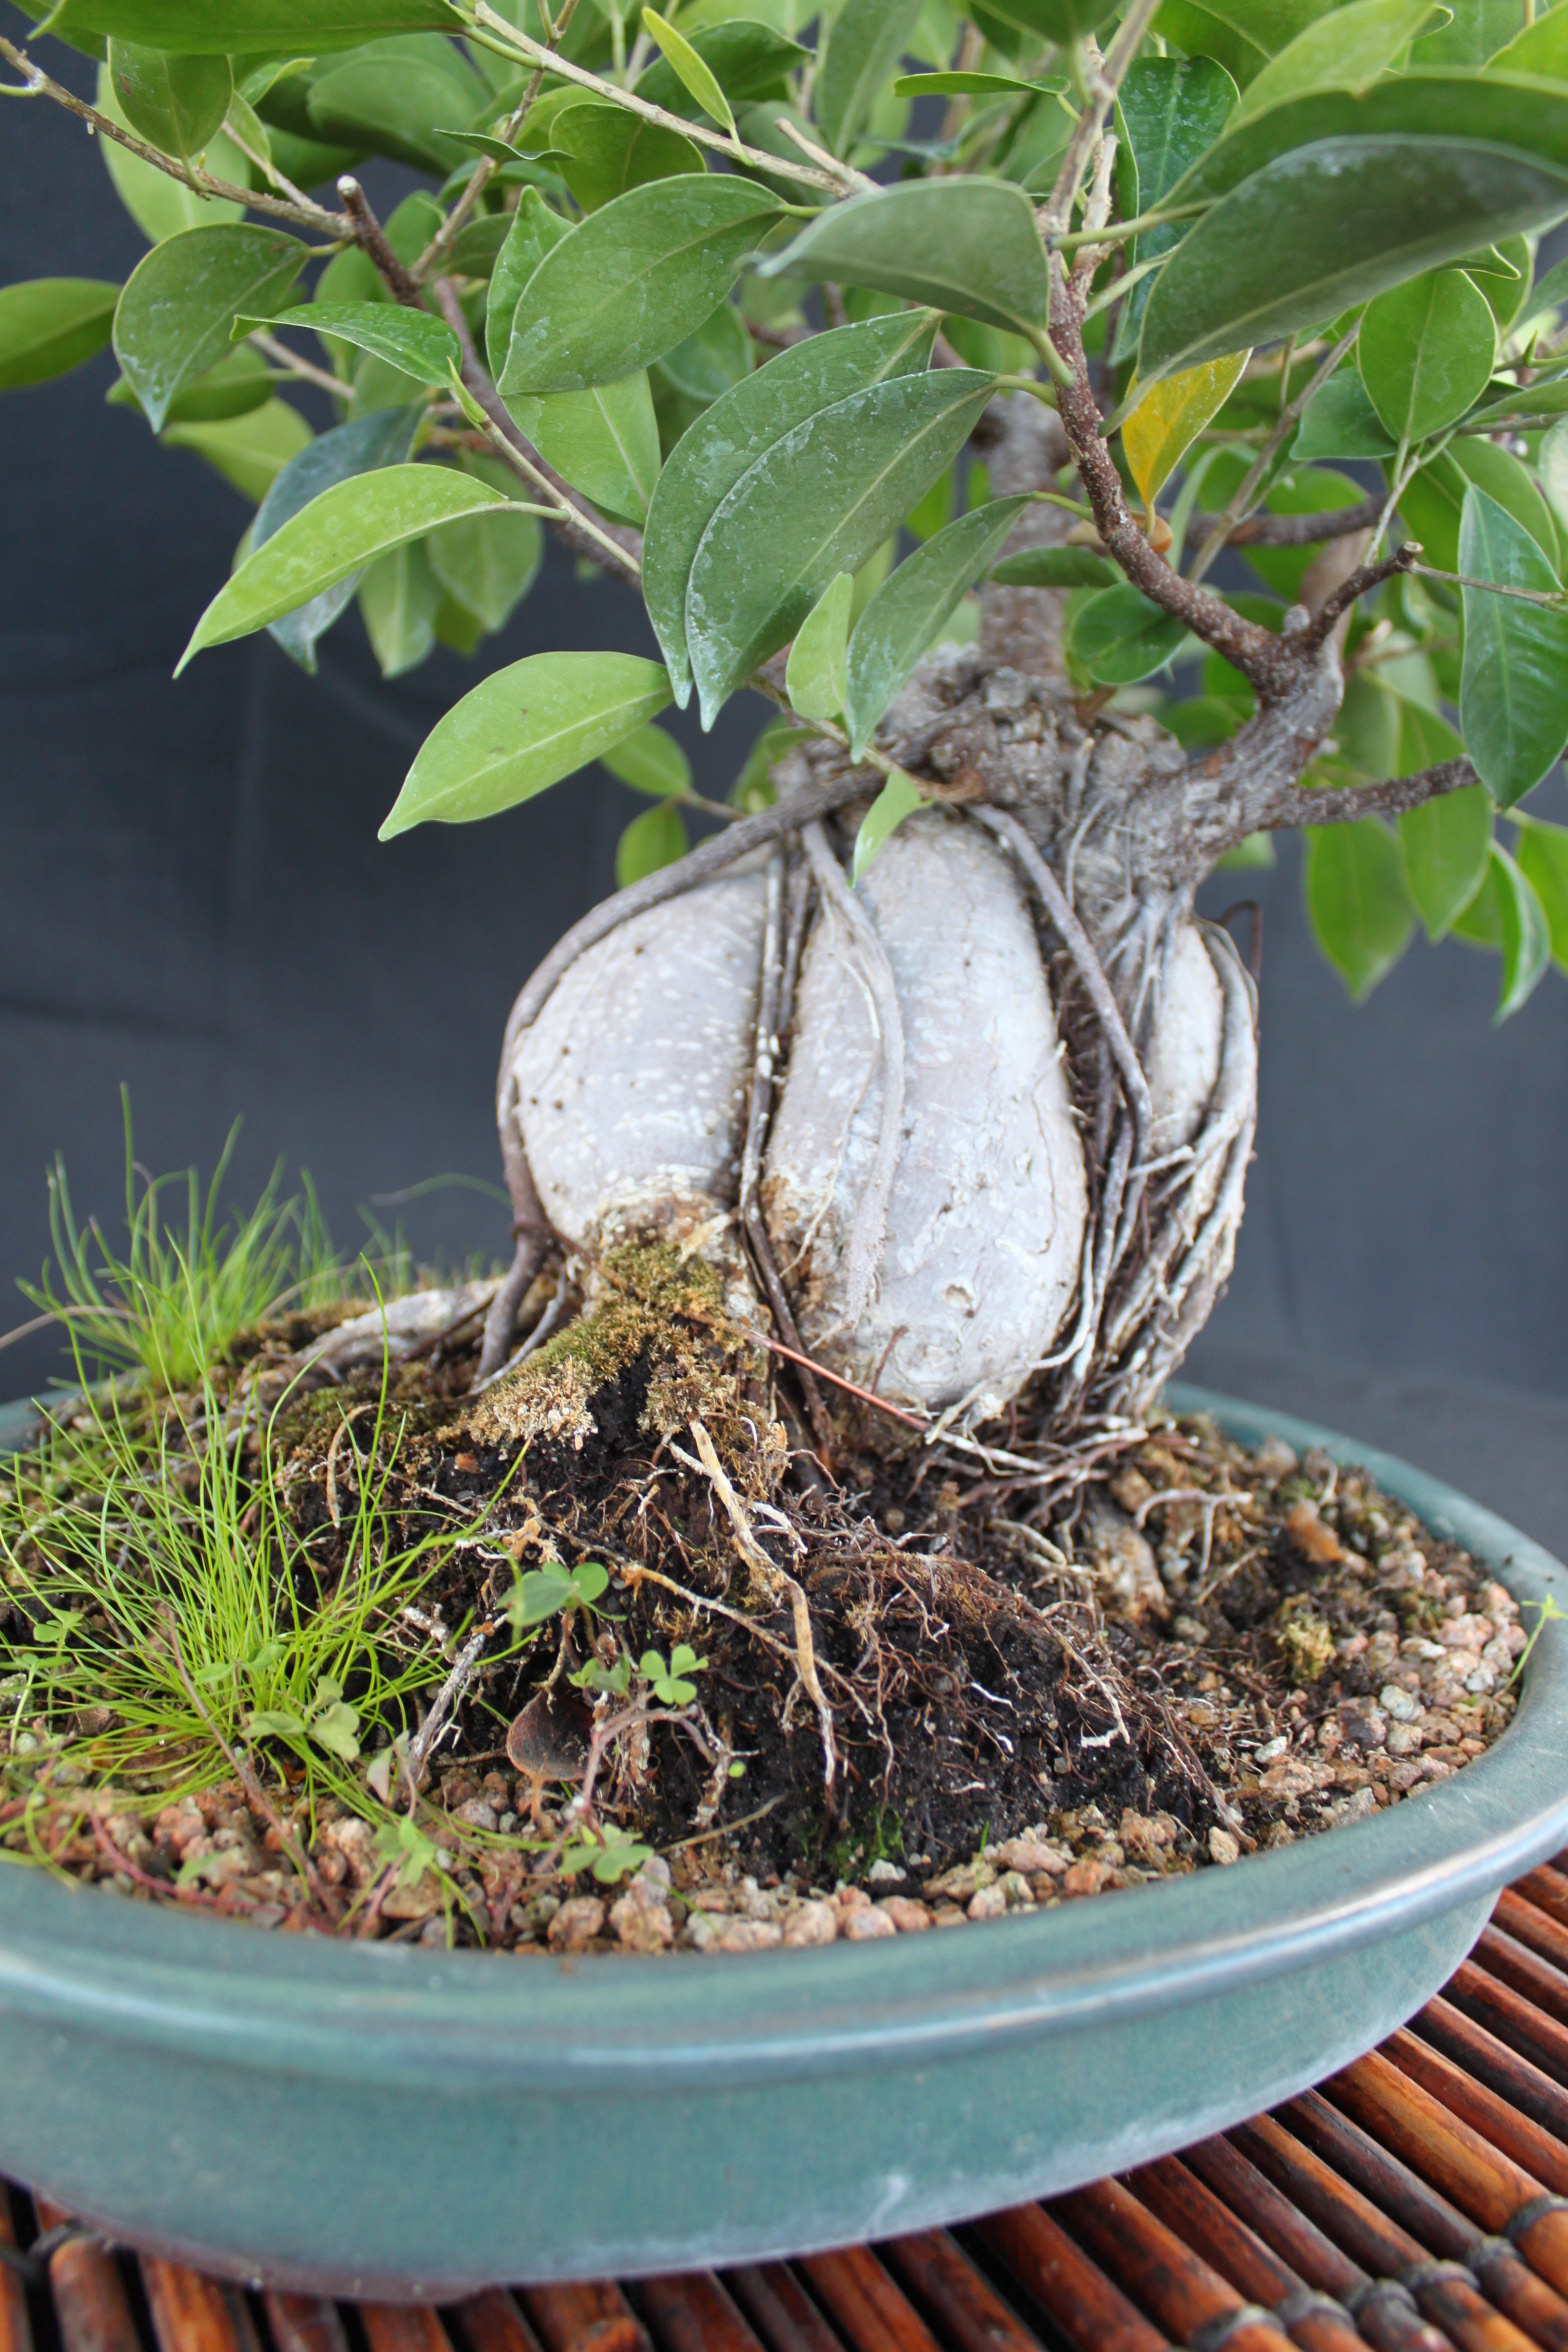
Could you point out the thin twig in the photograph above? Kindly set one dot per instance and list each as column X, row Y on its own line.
column 440, row 245
column 421, row 1746
column 836, row 1380
column 1106, row 80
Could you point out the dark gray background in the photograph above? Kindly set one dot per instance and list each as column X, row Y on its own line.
column 193, row 900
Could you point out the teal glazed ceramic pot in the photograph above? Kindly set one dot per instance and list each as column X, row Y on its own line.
column 383, row 2120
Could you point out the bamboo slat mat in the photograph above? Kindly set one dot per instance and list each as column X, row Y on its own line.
column 1416, row 2202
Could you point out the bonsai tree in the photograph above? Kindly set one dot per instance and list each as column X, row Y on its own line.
column 976, row 384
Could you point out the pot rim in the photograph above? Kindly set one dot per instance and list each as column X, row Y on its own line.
column 86, row 1959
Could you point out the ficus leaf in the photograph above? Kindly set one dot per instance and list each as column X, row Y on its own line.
column 249, row 451
column 604, row 441
column 903, row 617
column 1170, row 416
column 750, row 61
column 603, row 151
column 1542, row 855
column 695, row 76
column 1340, row 421
column 341, row 531
column 1347, row 49
column 399, row 597
column 196, row 28
column 711, row 360
column 657, row 838
column 1445, row 845
column 487, row 562
column 1055, row 567
column 238, row 383
column 649, row 761
column 522, row 729
column 815, row 678
column 737, row 433
column 964, row 245
column 176, row 102
column 1357, row 902
column 1170, row 110
column 632, row 281
column 819, row 501
column 1432, row 501
column 178, row 306
column 864, row 45
column 1506, row 915
column 358, row 448
column 1120, row 636
column 966, row 85
column 1513, row 695
column 158, row 203
column 1426, row 351
column 399, row 97
column 1242, row 34
column 412, row 340
column 899, row 798
column 50, row 325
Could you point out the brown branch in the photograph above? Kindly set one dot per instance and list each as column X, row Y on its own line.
column 1262, row 658
column 1307, row 804
column 1306, row 530
column 1360, row 582
column 369, row 233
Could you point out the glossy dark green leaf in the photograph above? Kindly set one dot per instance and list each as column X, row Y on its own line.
column 816, row 502
column 605, row 442
column 381, row 440
column 1476, row 30
column 649, row 761
column 1171, row 111
column 176, row 102
column 416, row 343
column 403, row 98
column 1056, row 567
column 1242, row 34
column 737, row 434
column 1059, row 20
column 157, row 202
column 488, row 562
column 1513, row 697
column 1506, row 916
column 657, row 838
column 1542, row 854
column 965, row 245
column 1432, row 502
column 1347, row 49
column 716, row 357
column 1445, row 845
column 341, row 531
column 50, row 325
column 864, row 45
column 602, row 151
column 1120, row 636
column 633, row 281
column 965, row 85
column 179, row 304
column 238, row 383
column 1340, row 421
column 399, row 597
column 523, row 729
column 1357, row 902
column 1425, row 352
column 478, row 243
column 748, row 59
column 902, row 619
column 1330, row 226
column 230, row 27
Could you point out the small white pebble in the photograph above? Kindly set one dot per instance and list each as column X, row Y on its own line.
column 1222, row 1846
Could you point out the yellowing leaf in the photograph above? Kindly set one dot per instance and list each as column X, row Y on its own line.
column 1171, row 415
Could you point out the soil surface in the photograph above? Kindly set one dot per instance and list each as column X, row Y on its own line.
column 1038, row 1676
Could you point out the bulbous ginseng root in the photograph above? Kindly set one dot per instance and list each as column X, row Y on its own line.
column 928, row 1196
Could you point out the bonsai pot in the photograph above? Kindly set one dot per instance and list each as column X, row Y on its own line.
column 387, row 2121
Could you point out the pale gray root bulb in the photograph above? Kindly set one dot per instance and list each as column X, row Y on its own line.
column 631, row 1084
column 1180, row 1045
column 980, row 1259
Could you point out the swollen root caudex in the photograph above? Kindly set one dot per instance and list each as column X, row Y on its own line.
column 1008, row 1096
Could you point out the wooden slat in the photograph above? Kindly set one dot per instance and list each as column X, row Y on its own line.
column 1514, row 2078
column 1512, row 2017
column 941, row 2278
column 304, row 2323
column 1481, row 2108
column 16, row 2327
column 403, row 2327
column 780, row 2309
column 691, row 2311
column 1547, row 1889
column 491, row 2322
column 588, row 2315
column 1175, row 2285
column 868, row 2308
column 1528, row 1924
column 1088, row 2308
column 1186, row 2205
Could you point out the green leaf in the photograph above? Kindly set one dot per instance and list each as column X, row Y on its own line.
column 1426, row 351
column 1120, row 636
column 341, row 531
column 238, row 383
column 965, row 245
column 1433, row 500
column 359, row 448
column 605, row 442
column 1542, row 854
column 905, row 615
column 248, row 451
column 899, row 798
column 534, row 232
column 817, row 502
column 421, row 346
column 50, row 325
column 1252, row 853
column 176, row 102
column 522, row 729
column 815, row 677
column 1170, row 111
column 632, row 281
column 966, row 85
column 1347, row 49
column 1542, row 48
column 1170, row 415
column 1476, row 30
column 737, row 433
column 178, row 306
column 1357, row 903
column 650, row 761
column 401, row 97
column 602, row 151
column 697, row 77
column 488, row 562
column 1445, row 845
column 1505, row 914
column 1333, row 225
column 399, row 597
column 1056, row 567
column 864, row 45
column 196, row 28
column 748, row 59
column 1552, row 462
column 1513, row 695
column 474, row 249
column 1242, row 34
column 157, row 203
column 1340, row 421
column 718, row 355
column 656, row 838
column 1062, row 21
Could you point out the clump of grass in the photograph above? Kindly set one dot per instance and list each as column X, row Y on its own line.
column 171, row 1298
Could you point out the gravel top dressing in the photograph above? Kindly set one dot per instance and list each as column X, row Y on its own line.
column 604, row 1658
